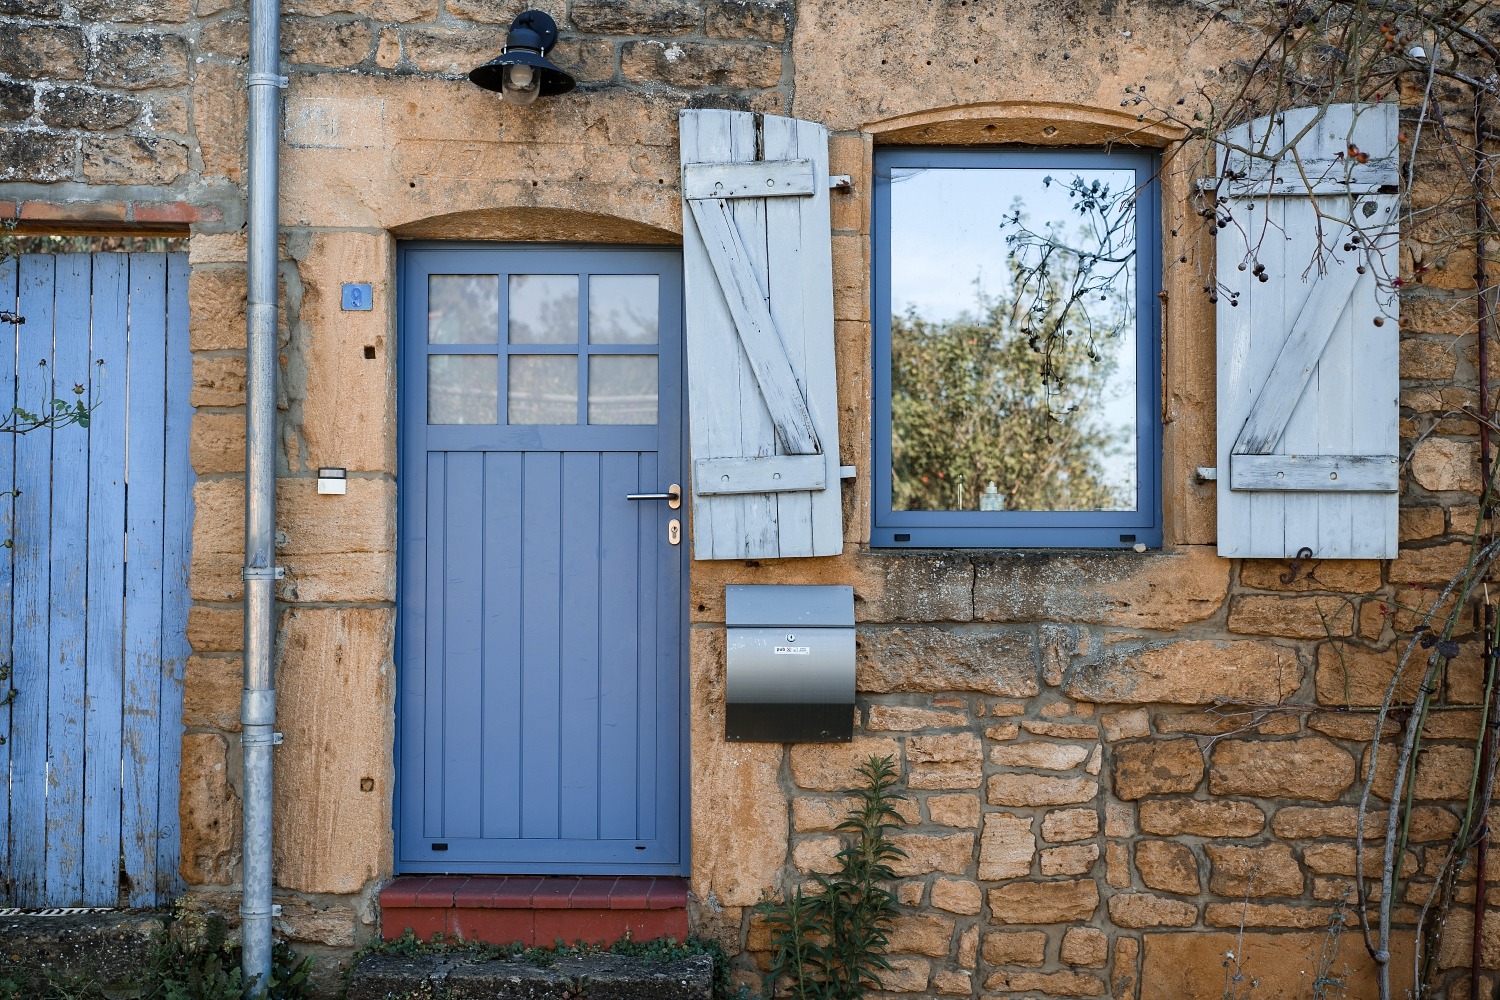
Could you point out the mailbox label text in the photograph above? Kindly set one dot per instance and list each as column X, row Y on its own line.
column 793, row 650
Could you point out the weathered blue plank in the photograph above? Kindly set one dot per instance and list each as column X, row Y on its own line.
column 176, row 553
column 33, row 512
column 68, row 587
column 143, row 572
column 541, row 627
column 8, row 272
column 619, row 622
column 654, row 648
column 106, row 585
column 580, row 649
column 462, row 665
column 502, row 644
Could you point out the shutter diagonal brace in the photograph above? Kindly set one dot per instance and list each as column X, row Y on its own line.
column 756, row 330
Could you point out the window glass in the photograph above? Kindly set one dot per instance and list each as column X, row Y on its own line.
column 543, row 389
column 1017, row 344
column 622, row 308
column 543, row 308
column 463, row 389
column 463, row 309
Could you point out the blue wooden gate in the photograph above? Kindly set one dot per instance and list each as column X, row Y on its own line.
column 541, row 692
column 93, row 590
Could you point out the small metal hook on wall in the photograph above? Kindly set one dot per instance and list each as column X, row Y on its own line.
column 1290, row 576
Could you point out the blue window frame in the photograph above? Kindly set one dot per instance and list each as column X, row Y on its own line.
column 1016, row 348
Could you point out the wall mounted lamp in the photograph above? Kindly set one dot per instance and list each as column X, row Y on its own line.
column 522, row 72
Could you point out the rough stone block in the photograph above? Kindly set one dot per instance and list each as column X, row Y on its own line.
column 1039, row 790
column 906, row 975
column 211, row 689
column 1128, row 725
column 215, row 630
column 1042, row 755
column 140, row 60
column 1141, row 909
column 817, row 854
column 765, row 20
column 1432, row 564
column 1063, row 825
column 17, row 100
column 84, row 108
column 1157, row 591
column 1442, row 464
column 693, row 64
column 336, row 685
column 217, row 443
column 834, row 767
column 1307, row 768
column 1189, row 672
column 922, row 935
column 918, row 658
column 1085, row 947
column 1352, row 676
column 219, row 116
column 42, row 51
column 1057, row 984
column 1286, row 915
column 208, row 812
column 1294, row 617
column 906, row 719
column 1060, row 730
column 36, row 156
column 960, row 811
column 327, row 43
column 1015, row 947
column 1253, row 872
column 1279, row 963
column 1168, row 866
column 1175, row 817
column 1074, row 859
column 1057, row 902
column 636, row 17
column 925, row 853
column 1340, row 576
column 133, row 159
column 1006, row 847
column 1159, row 767
column 739, row 811
column 218, row 380
column 957, row 896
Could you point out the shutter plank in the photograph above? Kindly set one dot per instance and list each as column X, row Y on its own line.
column 762, row 179
column 1315, row 473
column 768, row 474
column 757, row 331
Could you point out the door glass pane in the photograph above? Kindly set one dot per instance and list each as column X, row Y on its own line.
column 463, row 389
column 463, row 309
column 543, row 309
column 622, row 309
column 543, row 389
column 1013, row 339
column 622, row 389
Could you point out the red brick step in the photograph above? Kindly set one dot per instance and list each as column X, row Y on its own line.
column 534, row 909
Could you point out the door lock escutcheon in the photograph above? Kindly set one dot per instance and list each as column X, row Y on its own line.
column 673, row 496
column 674, row 531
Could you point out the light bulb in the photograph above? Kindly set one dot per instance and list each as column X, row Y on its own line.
column 519, row 85
column 521, row 76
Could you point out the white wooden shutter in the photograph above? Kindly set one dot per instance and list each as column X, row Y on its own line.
column 758, row 278
column 1307, row 359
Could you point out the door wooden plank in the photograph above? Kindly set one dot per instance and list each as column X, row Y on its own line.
column 144, row 513
column 580, row 649
column 33, row 514
column 620, row 602
column 8, row 338
column 177, row 541
column 502, row 643
column 463, row 644
column 800, row 253
column 67, row 631
column 767, row 178
column 433, row 686
column 106, row 581
column 541, row 628
column 651, row 721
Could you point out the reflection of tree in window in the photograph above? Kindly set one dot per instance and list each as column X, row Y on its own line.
column 543, row 308
column 463, row 308
column 1013, row 391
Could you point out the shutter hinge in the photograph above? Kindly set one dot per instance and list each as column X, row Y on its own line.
column 1207, row 474
column 840, row 182
column 847, row 472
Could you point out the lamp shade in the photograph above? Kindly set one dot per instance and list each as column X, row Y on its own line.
column 531, row 35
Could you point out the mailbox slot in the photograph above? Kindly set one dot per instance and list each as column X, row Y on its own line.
column 789, row 672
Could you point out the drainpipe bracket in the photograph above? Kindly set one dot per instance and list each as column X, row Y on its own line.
column 267, row 80
column 261, row 739
column 263, row 573
column 252, row 913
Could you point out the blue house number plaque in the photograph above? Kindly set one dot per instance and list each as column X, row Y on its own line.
column 358, row 298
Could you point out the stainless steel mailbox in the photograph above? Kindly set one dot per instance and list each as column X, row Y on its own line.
column 789, row 673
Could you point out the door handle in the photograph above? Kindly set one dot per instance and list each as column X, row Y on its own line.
column 673, row 496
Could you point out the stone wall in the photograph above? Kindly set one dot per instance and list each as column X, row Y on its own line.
column 1081, row 822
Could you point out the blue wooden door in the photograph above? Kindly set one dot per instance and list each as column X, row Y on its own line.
column 93, row 586
column 541, row 692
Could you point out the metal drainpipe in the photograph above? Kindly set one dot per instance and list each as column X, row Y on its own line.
column 258, row 703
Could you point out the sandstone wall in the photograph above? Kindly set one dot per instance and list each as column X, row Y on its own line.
column 1080, row 823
